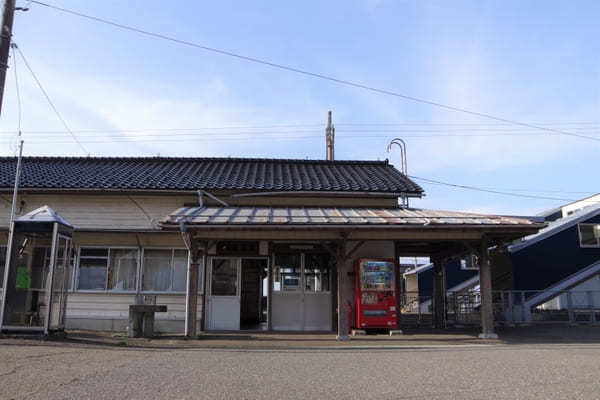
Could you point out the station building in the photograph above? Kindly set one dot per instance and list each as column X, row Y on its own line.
column 239, row 243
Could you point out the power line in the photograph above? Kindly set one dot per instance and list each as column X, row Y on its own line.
column 49, row 100
column 309, row 73
column 255, row 130
column 241, row 136
column 479, row 189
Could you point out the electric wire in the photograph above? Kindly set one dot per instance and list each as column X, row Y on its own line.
column 450, row 132
column 39, row 84
column 309, row 73
column 480, row 189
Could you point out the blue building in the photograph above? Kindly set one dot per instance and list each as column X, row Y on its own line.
column 564, row 256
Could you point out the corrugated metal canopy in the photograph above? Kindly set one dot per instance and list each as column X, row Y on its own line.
column 334, row 216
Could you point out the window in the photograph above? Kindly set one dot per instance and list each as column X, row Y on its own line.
column 589, row 235
column 108, row 269
column 290, row 270
column 224, row 277
column 470, row 262
column 316, row 273
column 165, row 270
column 286, row 272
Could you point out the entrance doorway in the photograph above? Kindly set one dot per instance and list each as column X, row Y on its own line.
column 236, row 295
column 253, row 314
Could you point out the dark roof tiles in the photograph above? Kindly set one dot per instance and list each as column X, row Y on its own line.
column 162, row 173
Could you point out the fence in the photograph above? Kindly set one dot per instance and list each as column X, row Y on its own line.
column 538, row 307
column 462, row 308
column 509, row 307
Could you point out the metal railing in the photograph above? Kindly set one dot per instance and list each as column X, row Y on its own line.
column 537, row 306
column 509, row 307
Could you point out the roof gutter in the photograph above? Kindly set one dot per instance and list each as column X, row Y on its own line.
column 317, row 192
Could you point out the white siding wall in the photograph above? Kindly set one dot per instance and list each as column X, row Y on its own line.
column 110, row 312
column 101, row 211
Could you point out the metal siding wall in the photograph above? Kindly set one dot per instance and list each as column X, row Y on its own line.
column 551, row 260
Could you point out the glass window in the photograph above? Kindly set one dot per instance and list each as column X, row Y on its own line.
column 166, row 271
column 92, row 269
column 287, row 272
column 40, row 267
column 107, row 269
column 71, row 269
column 122, row 270
column 589, row 235
column 180, row 262
column 224, row 277
column 316, row 273
column 157, row 270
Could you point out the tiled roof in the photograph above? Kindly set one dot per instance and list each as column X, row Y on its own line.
column 278, row 216
column 250, row 174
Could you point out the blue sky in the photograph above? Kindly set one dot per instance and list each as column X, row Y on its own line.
column 532, row 61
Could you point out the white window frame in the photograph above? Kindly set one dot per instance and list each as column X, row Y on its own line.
column 588, row 246
column 109, row 248
column 201, row 271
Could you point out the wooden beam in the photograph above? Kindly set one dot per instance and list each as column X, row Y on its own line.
column 342, row 318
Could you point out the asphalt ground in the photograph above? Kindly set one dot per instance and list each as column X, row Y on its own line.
column 549, row 367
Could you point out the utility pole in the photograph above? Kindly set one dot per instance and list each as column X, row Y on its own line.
column 329, row 139
column 8, row 14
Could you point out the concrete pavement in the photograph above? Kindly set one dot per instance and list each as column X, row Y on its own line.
column 87, row 370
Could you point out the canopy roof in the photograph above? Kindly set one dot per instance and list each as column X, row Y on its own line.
column 43, row 214
column 337, row 217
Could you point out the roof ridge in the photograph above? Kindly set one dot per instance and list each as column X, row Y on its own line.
column 166, row 158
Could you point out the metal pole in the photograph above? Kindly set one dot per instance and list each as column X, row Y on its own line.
column 8, row 13
column 590, row 301
column 570, row 307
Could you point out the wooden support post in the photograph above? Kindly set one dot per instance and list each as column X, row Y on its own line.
column 485, row 284
column 342, row 316
column 439, row 293
column 191, row 294
column 342, row 257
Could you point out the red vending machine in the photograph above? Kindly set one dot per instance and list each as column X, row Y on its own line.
column 376, row 293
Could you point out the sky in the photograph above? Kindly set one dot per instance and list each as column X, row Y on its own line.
column 126, row 94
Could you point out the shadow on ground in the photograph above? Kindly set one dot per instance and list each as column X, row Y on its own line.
column 546, row 334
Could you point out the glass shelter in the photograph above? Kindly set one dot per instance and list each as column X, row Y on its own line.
column 38, row 261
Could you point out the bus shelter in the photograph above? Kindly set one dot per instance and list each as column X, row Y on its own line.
column 38, row 261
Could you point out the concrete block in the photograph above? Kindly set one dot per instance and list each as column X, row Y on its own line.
column 488, row 336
